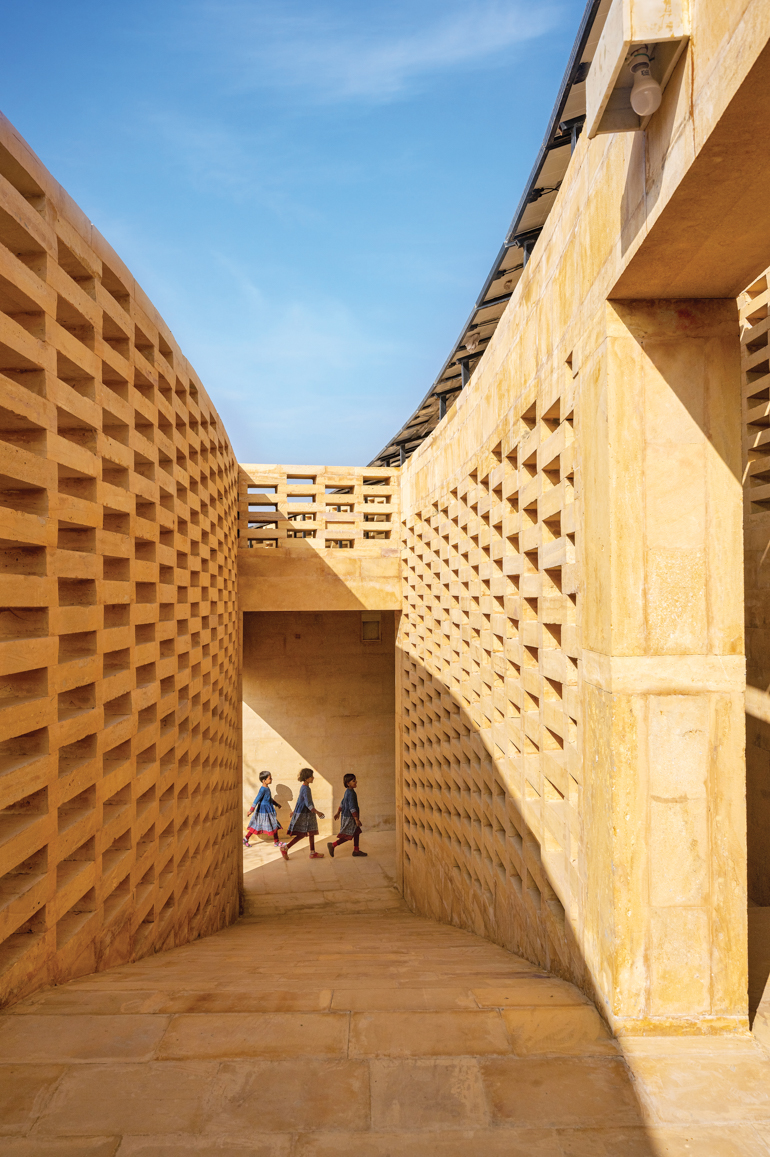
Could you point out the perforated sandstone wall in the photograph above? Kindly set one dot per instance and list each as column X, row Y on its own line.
column 319, row 538
column 119, row 712
column 572, row 774
column 489, row 698
column 755, row 326
column 324, row 507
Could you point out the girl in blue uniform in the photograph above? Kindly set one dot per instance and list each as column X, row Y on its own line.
column 303, row 820
column 262, row 812
column 350, row 823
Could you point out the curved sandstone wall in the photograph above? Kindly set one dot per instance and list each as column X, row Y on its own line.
column 119, row 713
column 571, row 673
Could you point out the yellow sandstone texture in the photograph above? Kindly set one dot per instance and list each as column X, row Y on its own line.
column 570, row 703
column 319, row 538
column 119, row 734
column 559, row 566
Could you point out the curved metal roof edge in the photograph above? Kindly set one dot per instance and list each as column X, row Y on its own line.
column 578, row 48
column 392, row 447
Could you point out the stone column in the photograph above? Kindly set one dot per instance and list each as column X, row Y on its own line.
column 663, row 667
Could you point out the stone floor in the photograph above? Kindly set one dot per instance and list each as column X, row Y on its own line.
column 330, row 1020
column 342, row 884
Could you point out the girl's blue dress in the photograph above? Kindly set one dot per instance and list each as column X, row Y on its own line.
column 263, row 818
column 349, row 805
column 303, row 819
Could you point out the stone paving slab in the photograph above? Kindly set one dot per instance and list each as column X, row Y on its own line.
column 636, row 1141
column 64, row 1147
column 81, row 1038
column 452, row 1032
column 571, row 1029
column 719, row 1083
column 627, row 1142
column 401, row 999
column 256, row 1034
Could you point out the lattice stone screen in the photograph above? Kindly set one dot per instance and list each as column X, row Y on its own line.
column 119, row 732
column 755, row 326
column 755, row 323
column 326, row 507
column 489, row 689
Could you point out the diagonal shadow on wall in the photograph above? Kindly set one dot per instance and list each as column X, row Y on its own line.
column 470, row 856
column 471, row 860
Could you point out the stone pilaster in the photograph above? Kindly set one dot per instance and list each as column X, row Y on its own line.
column 663, row 668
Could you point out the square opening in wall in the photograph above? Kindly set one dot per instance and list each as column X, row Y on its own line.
column 371, row 627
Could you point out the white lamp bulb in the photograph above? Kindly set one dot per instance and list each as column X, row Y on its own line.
column 646, row 94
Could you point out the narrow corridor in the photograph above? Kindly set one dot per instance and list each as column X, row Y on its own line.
column 331, row 1020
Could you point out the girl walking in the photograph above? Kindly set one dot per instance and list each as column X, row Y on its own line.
column 262, row 812
column 350, row 823
column 303, row 820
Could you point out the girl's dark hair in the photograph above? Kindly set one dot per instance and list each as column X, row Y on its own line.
column 305, row 774
column 263, row 775
column 346, row 779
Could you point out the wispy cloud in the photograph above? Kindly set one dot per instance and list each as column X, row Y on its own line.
column 214, row 153
column 281, row 372
column 302, row 53
column 244, row 165
column 369, row 54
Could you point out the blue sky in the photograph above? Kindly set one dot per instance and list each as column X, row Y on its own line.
column 311, row 193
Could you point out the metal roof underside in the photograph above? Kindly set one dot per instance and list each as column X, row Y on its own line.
column 531, row 213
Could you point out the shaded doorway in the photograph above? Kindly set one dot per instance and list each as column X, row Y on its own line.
column 319, row 691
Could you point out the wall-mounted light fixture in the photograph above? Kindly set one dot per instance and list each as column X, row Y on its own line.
column 646, row 93
column 637, row 52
